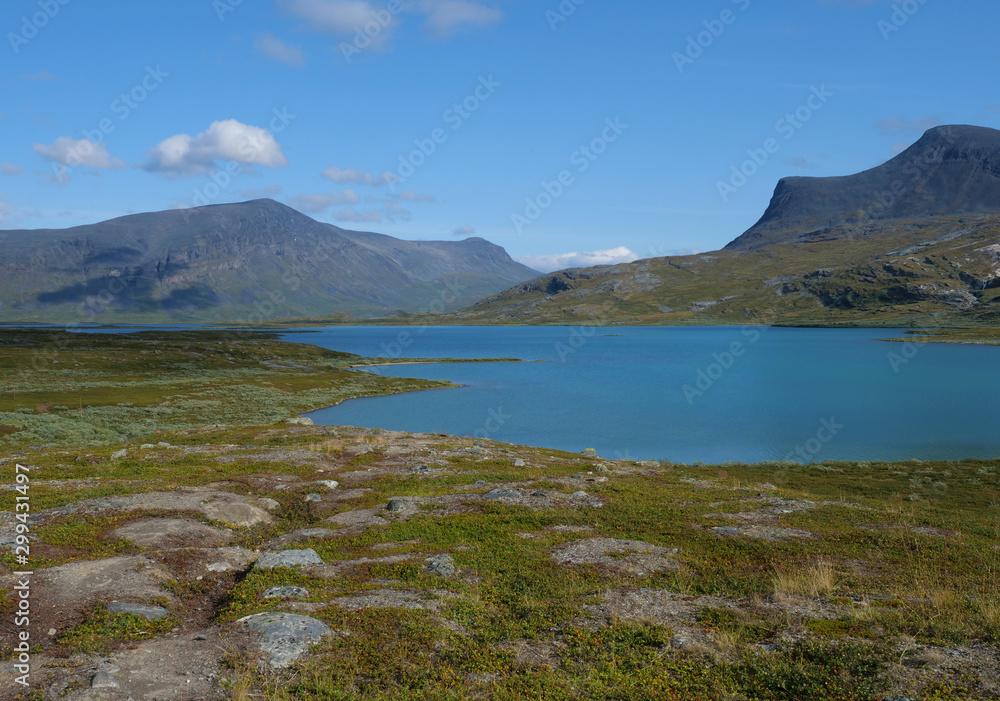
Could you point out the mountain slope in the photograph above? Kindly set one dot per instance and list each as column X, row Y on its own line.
column 237, row 262
column 822, row 253
column 951, row 170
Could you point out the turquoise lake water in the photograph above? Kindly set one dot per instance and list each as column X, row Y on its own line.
column 688, row 394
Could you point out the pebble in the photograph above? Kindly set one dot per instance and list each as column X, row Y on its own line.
column 314, row 497
column 103, row 680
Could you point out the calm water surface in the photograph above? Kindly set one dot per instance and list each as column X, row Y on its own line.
column 683, row 394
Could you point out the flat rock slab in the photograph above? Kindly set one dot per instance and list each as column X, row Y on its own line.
column 285, row 637
column 229, row 508
column 170, row 533
column 761, row 532
column 388, row 599
column 359, row 519
column 286, row 593
column 629, row 556
column 81, row 583
column 150, row 613
column 288, row 558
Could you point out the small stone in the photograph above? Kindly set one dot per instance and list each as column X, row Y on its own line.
column 540, row 493
column 479, row 444
column 147, row 446
column 220, row 567
column 602, row 470
column 103, row 680
column 52, row 631
column 300, row 421
column 201, row 636
column 502, row 493
column 150, row 613
column 288, row 558
column 329, row 484
column 519, row 463
column 420, row 470
column 398, row 506
column 900, row 697
column 589, row 453
column 119, row 454
column 286, row 593
column 476, row 450
column 440, row 565
column 726, row 530
column 580, row 495
column 161, row 444
column 314, row 497
column 269, row 504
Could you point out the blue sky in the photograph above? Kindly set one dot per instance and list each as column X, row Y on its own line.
column 553, row 128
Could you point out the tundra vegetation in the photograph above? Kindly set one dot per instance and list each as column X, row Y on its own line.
column 455, row 568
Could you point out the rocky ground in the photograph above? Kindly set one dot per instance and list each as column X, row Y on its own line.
column 301, row 562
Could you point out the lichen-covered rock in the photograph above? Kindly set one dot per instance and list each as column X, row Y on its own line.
column 288, row 558
column 285, row 637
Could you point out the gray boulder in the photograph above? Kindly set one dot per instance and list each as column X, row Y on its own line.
column 285, row 637
column 288, row 558
column 440, row 565
column 502, row 493
column 286, row 593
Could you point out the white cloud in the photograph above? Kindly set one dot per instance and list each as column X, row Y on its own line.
column 559, row 261
column 185, row 156
column 11, row 169
column 353, row 215
column 894, row 126
column 358, row 177
column 993, row 108
column 69, row 152
column 445, row 17
column 411, row 196
column 274, row 48
column 393, row 211
column 314, row 204
column 464, row 232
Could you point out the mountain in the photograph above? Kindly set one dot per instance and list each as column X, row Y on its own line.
column 926, row 252
column 253, row 261
column 951, row 170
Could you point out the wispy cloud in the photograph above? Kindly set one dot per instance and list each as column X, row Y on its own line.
column 274, row 48
column 560, row 261
column 186, row 156
column 446, row 17
column 372, row 216
column 11, row 169
column 73, row 153
column 318, row 203
column 40, row 75
column 354, row 176
column 800, row 162
column 464, row 232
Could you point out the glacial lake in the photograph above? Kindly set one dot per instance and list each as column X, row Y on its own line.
column 687, row 394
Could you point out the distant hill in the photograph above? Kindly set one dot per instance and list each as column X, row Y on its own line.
column 254, row 261
column 951, row 170
column 914, row 241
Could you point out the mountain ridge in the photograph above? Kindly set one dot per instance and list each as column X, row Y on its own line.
column 238, row 262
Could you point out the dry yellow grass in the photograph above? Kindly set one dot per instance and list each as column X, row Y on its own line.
column 817, row 580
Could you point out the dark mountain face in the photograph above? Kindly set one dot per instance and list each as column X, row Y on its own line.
column 952, row 170
column 238, row 262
